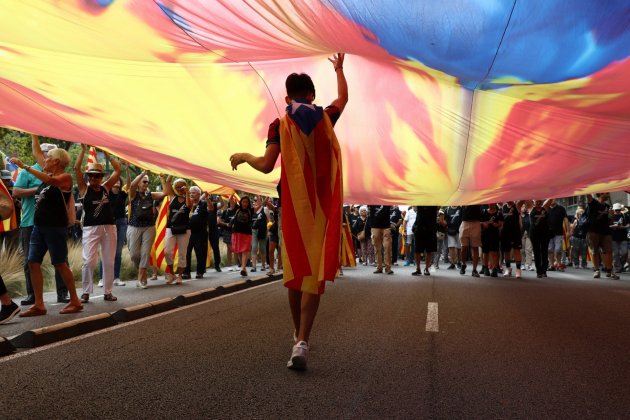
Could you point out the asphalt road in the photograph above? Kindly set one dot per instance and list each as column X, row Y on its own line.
column 504, row 348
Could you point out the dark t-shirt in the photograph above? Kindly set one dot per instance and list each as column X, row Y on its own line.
column 581, row 227
column 526, row 222
column 198, row 221
column 212, row 219
column 490, row 231
column 259, row 224
column 453, row 217
column 511, row 219
column 598, row 215
column 50, row 207
column 395, row 217
column 426, row 219
column 119, row 204
column 273, row 134
column 142, row 213
column 379, row 216
column 539, row 222
column 557, row 214
column 227, row 216
column 97, row 209
column 471, row 213
column 619, row 235
column 178, row 213
column 242, row 222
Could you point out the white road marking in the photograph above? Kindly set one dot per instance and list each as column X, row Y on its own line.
column 432, row 317
column 123, row 325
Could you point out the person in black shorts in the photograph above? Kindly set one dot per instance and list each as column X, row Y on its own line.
column 491, row 222
column 425, row 234
column 511, row 238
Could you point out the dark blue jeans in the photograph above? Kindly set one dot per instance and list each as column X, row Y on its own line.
column 25, row 240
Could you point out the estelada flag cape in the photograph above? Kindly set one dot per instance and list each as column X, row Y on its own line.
column 311, row 189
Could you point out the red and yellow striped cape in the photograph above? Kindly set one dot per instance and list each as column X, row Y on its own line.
column 10, row 223
column 311, row 188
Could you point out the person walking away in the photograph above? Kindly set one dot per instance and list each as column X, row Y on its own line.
column 303, row 126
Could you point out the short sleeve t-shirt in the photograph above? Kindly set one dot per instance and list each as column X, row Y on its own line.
column 453, row 217
column 557, row 214
column 28, row 180
column 198, row 221
column 619, row 235
column 599, row 217
column 471, row 213
column 490, row 230
column 426, row 218
column 511, row 219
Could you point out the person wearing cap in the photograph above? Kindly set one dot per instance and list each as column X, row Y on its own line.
column 25, row 188
column 99, row 228
column 51, row 220
column 619, row 226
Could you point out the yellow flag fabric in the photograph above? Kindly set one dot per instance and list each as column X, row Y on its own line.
column 450, row 102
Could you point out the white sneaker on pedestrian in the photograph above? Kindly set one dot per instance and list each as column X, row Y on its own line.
column 119, row 282
column 532, row 268
column 100, row 283
column 596, row 274
column 432, row 269
column 507, row 272
column 298, row 356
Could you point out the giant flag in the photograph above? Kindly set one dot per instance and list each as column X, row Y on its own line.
column 451, row 102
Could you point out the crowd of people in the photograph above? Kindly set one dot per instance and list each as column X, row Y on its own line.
column 534, row 235
column 111, row 213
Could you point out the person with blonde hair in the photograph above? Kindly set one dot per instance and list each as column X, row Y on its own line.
column 177, row 228
column 141, row 226
column 53, row 205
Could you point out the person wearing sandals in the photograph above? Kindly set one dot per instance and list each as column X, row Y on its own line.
column 51, row 222
column 141, row 227
column 99, row 225
column 177, row 228
column 198, row 223
column 259, row 234
column 242, row 233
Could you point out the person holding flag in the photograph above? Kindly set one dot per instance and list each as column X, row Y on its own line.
column 311, row 193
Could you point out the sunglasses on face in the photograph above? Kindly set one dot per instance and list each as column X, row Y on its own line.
column 95, row 176
column 145, row 182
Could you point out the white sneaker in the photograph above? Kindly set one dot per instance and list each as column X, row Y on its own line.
column 507, row 272
column 519, row 273
column 100, row 283
column 531, row 268
column 432, row 269
column 596, row 274
column 298, row 356
column 119, row 282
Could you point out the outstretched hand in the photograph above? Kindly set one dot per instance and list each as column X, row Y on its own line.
column 337, row 60
column 236, row 159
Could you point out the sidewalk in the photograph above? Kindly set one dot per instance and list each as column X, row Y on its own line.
column 128, row 296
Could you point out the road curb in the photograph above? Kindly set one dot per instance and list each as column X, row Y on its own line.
column 53, row 333
column 6, row 347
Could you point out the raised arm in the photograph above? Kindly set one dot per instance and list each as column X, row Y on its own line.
column 165, row 184
column 63, row 180
column 113, row 178
column 342, row 85
column 134, row 185
column 37, row 150
column 79, row 173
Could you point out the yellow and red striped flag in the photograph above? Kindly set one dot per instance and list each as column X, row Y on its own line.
column 348, row 258
column 311, row 185
column 10, row 223
column 159, row 245
column 91, row 157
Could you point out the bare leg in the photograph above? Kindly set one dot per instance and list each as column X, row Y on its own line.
column 37, row 281
column 427, row 260
column 295, row 304
column 68, row 279
column 272, row 255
